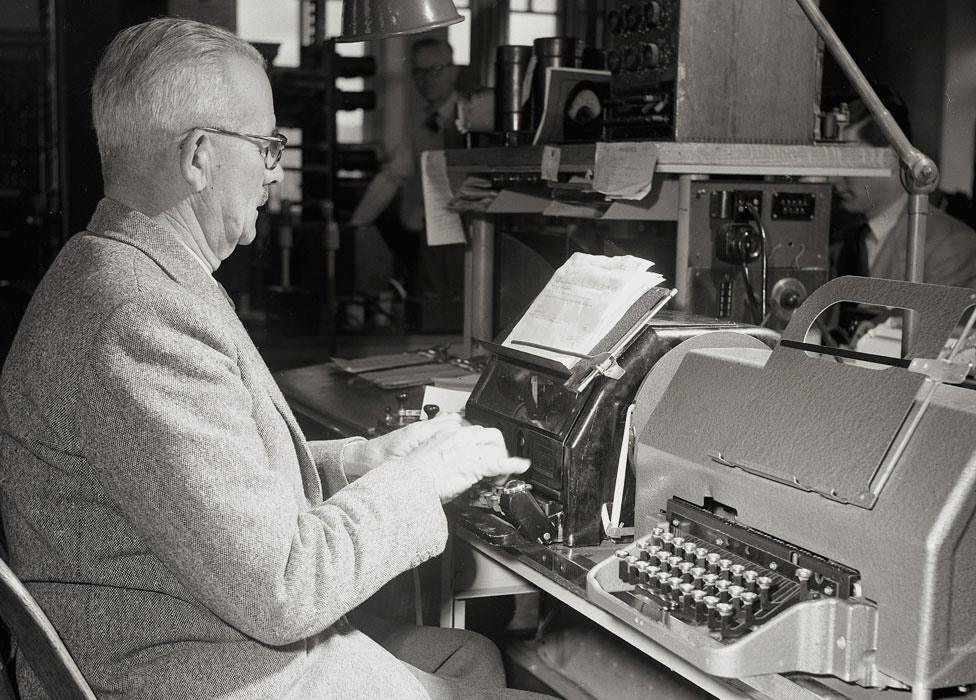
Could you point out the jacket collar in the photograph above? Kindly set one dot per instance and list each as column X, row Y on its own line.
column 120, row 223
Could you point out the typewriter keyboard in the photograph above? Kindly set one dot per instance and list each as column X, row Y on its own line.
column 709, row 571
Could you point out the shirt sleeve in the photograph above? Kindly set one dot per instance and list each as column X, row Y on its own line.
column 171, row 434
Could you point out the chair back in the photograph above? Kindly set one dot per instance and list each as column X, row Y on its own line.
column 38, row 641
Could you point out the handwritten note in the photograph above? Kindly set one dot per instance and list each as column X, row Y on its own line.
column 624, row 170
column 443, row 225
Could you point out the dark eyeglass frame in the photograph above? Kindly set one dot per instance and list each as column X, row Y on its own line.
column 432, row 71
column 272, row 151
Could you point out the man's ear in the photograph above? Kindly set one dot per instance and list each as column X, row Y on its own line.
column 196, row 158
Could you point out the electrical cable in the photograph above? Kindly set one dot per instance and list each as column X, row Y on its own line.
column 757, row 315
column 754, row 213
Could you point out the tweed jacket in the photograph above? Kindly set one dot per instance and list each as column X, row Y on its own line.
column 161, row 503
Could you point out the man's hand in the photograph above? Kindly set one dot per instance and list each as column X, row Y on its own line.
column 459, row 457
column 360, row 457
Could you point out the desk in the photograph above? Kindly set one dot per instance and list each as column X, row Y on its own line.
column 333, row 401
column 472, row 568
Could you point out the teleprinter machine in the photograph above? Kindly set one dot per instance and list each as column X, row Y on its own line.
column 574, row 437
column 799, row 513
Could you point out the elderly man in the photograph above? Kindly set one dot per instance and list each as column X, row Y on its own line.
column 159, row 499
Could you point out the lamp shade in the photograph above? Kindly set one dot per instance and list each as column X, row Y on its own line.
column 365, row 20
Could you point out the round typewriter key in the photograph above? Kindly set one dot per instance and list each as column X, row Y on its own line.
column 764, row 583
column 803, row 574
column 698, row 599
column 667, row 540
column 737, row 571
column 722, row 588
column 697, row 573
column 673, row 563
column 678, row 543
column 641, row 568
column 709, row 581
column 749, row 579
column 724, row 566
column 749, row 605
column 711, row 615
column 713, row 559
column 673, row 584
column 689, row 550
column 725, row 611
column 685, row 568
column 735, row 593
column 662, row 580
column 700, row 554
column 632, row 570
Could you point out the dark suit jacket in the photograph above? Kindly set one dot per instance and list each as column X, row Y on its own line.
column 161, row 503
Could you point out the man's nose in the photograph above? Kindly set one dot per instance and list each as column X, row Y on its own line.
column 276, row 174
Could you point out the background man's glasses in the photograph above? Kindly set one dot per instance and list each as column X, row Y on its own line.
column 433, row 71
column 274, row 145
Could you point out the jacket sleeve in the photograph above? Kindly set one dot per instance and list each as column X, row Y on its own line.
column 172, row 436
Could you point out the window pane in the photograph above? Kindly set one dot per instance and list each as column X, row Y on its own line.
column 524, row 27
column 544, row 6
column 519, row 6
column 259, row 20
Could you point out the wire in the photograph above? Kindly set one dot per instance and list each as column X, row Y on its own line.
column 757, row 315
column 754, row 213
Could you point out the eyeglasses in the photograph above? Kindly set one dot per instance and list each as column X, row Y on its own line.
column 274, row 144
column 433, row 71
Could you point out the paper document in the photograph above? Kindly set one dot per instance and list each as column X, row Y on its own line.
column 582, row 303
column 551, row 155
column 443, row 225
column 624, row 170
column 448, row 400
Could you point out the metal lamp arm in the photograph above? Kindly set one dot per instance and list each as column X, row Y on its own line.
column 920, row 173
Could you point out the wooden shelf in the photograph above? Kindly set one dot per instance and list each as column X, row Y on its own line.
column 819, row 160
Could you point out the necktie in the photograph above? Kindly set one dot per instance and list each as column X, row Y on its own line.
column 853, row 256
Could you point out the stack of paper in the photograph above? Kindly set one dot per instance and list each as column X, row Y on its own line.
column 581, row 304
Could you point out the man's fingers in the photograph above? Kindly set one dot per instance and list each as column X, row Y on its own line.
column 505, row 467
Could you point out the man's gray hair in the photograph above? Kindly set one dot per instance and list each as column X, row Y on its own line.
column 159, row 79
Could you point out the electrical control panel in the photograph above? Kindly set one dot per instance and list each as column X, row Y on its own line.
column 756, row 249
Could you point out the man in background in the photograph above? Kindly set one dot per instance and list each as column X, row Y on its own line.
column 432, row 271
column 874, row 242
column 159, row 498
